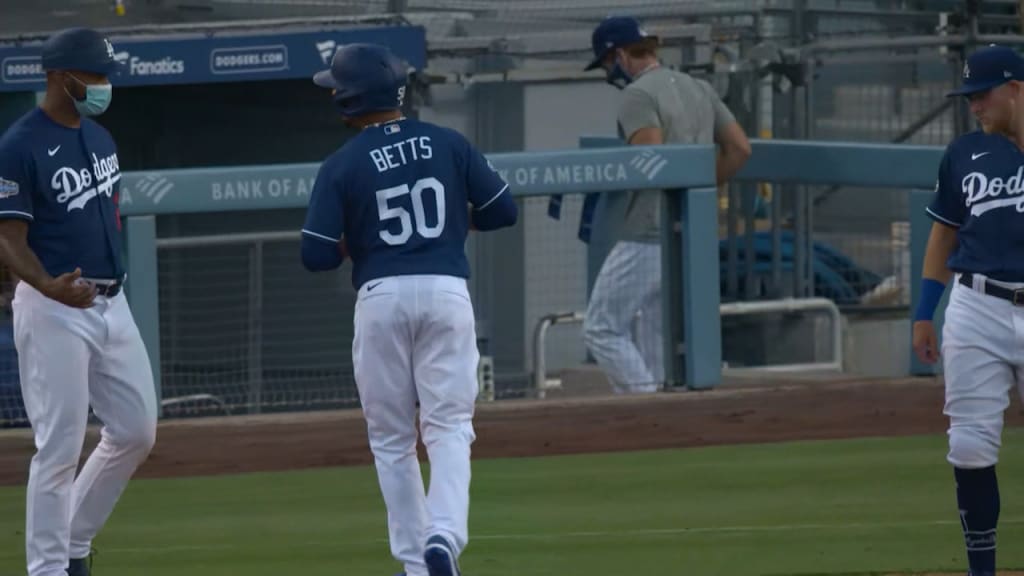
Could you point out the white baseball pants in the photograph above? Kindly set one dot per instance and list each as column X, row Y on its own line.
column 623, row 323
column 983, row 358
column 70, row 358
column 415, row 340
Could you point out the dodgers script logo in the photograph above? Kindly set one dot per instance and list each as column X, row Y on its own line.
column 77, row 187
column 984, row 193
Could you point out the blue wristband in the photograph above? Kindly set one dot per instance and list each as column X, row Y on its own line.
column 931, row 293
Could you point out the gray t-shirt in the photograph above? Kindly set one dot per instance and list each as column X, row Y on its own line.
column 688, row 111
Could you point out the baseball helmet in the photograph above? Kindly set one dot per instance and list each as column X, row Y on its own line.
column 82, row 49
column 366, row 78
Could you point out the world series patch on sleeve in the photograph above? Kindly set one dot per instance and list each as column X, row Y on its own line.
column 8, row 188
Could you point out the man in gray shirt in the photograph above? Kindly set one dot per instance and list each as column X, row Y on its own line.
column 659, row 106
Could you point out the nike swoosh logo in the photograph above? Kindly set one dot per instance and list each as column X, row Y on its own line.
column 52, row 152
column 976, row 156
column 372, row 286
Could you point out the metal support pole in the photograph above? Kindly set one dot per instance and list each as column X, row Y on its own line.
column 799, row 113
column 255, row 344
column 776, row 207
column 799, row 228
column 752, row 88
column 800, row 210
column 808, row 191
column 732, row 281
column 749, row 191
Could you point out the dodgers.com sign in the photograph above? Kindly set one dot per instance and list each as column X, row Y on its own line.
column 201, row 60
column 20, row 70
column 249, row 59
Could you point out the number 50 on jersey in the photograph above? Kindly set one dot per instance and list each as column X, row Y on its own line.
column 418, row 220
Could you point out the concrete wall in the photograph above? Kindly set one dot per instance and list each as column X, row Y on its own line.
column 876, row 345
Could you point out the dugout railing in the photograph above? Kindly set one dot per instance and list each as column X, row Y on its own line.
column 692, row 279
column 692, row 283
column 687, row 177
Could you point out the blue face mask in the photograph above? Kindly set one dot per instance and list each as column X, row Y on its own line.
column 97, row 98
column 618, row 76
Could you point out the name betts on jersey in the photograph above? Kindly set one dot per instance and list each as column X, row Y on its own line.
column 394, row 155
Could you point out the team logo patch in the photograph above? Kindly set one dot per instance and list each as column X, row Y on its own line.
column 8, row 188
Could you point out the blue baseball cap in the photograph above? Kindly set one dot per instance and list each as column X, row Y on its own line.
column 988, row 68
column 79, row 49
column 615, row 32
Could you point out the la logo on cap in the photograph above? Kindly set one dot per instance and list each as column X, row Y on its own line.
column 967, row 71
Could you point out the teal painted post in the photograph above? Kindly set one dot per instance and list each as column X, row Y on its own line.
column 702, row 323
column 673, row 333
column 141, row 287
column 920, row 229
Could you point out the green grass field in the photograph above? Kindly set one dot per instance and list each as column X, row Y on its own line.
column 845, row 507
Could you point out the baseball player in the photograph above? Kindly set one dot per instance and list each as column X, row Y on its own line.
column 977, row 239
column 399, row 199
column 76, row 340
column 658, row 106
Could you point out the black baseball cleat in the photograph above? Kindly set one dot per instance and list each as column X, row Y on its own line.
column 80, row 566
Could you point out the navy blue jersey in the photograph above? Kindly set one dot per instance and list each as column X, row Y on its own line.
column 65, row 182
column 399, row 194
column 980, row 191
